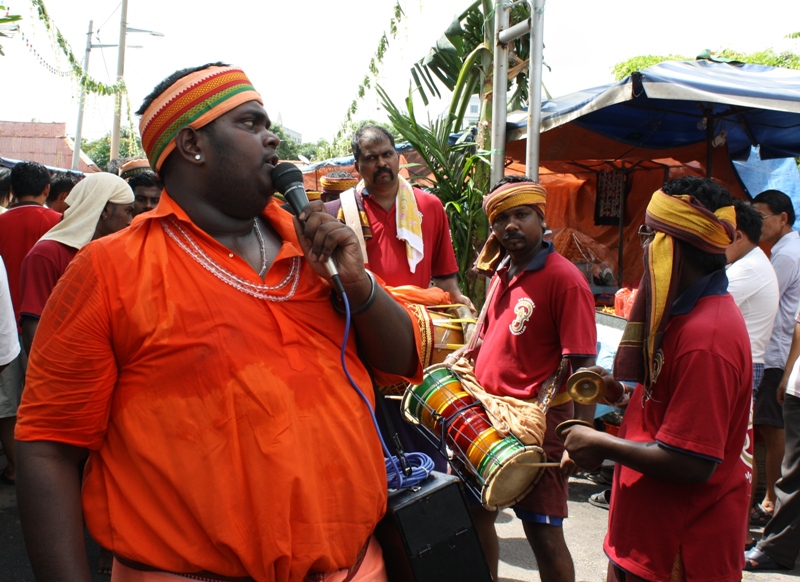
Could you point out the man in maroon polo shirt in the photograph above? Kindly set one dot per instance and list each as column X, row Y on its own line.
column 405, row 235
column 684, row 452
column 540, row 311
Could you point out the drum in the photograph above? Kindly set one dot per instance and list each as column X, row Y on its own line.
column 501, row 469
column 444, row 329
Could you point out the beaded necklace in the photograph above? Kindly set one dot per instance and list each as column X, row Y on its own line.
column 259, row 290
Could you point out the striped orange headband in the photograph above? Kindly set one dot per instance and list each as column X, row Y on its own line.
column 514, row 194
column 192, row 101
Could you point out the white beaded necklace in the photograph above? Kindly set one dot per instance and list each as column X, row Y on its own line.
column 184, row 240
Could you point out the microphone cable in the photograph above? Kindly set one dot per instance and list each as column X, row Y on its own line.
column 420, row 463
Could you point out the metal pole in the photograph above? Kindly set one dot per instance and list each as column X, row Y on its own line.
column 76, row 150
column 535, row 90
column 621, row 249
column 499, row 94
column 123, row 26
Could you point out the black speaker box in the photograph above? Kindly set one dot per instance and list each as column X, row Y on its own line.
column 427, row 534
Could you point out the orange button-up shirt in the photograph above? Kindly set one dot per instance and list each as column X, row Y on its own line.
column 223, row 433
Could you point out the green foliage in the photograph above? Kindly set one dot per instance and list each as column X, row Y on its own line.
column 91, row 85
column 7, row 26
column 99, row 150
column 383, row 46
column 289, row 148
column 463, row 41
column 453, row 169
column 766, row 57
column 626, row 68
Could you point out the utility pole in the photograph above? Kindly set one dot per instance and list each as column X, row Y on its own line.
column 123, row 28
column 76, row 150
column 535, row 89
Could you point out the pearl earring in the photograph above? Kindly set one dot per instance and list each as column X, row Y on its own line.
column 197, row 156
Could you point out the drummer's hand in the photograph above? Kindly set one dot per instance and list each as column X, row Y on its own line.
column 464, row 300
column 451, row 359
column 568, row 466
column 584, row 445
column 323, row 237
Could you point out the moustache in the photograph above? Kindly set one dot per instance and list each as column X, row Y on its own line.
column 383, row 171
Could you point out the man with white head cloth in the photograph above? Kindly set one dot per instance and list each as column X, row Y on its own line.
column 101, row 204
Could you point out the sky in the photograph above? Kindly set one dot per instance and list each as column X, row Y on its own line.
column 308, row 57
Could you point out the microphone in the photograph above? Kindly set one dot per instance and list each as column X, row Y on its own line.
column 288, row 180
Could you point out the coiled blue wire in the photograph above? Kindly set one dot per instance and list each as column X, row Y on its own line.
column 420, row 463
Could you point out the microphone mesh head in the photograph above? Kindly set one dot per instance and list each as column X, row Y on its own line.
column 285, row 174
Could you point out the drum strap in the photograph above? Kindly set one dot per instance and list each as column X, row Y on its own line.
column 353, row 219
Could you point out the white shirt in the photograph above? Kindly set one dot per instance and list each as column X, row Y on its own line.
column 785, row 260
column 754, row 287
column 9, row 340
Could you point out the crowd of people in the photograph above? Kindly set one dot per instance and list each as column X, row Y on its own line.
column 179, row 375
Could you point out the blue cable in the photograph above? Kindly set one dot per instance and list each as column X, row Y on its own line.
column 420, row 463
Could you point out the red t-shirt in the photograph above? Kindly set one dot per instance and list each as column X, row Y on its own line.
column 41, row 270
column 387, row 253
column 701, row 403
column 20, row 228
column 546, row 312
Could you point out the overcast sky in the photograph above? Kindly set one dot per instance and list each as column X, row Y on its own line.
column 307, row 58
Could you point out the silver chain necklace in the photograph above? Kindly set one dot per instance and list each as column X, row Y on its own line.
column 262, row 248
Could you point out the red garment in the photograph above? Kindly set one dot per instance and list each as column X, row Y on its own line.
column 701, row 404
column 223, row 433
column 20, row 227
column 544, row 313
column 41, row 270
column 387, row 253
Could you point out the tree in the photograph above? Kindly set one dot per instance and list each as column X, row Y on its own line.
column 7, row 25
column 99, row 150
column 768, row 57
column 455, row 168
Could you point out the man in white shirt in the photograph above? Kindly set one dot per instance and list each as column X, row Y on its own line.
column 9, row 340
column 778, row 217
column 752, row 282
column 754, row 287
column 9, row 348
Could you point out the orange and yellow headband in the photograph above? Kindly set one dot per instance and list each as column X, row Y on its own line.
column 514, row 194
column 684, row 218
column 192, row 101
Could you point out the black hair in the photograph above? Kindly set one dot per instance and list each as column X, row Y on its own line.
column 113, row 166
column 748, row 220
column 513, row 179
column 29, row 179
column 61, row 183
column 778, row 202
column 168, row 82
column 711, row 195
column 146, row 179
column 364, row 131
column 5, row 185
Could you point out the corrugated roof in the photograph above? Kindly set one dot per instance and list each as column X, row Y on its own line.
column 46, row 143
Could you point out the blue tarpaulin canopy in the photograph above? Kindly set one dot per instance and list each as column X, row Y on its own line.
column 674, row 104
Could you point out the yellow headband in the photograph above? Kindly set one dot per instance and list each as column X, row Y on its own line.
column 192, row 101
column 514, row 194
column 682, row 217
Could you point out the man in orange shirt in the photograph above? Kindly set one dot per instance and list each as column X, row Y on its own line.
column 196, row 355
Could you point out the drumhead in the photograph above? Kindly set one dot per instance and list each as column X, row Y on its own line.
column 514, row 480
